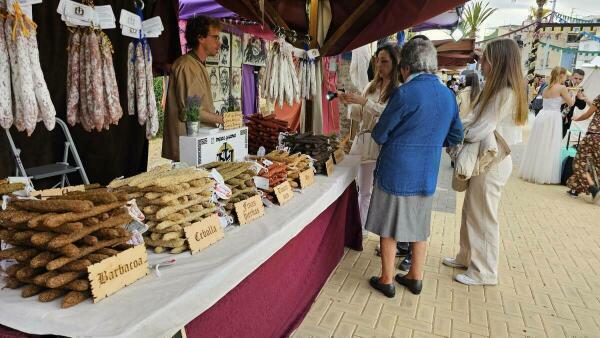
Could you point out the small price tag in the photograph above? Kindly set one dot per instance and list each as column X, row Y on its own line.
column 201, row 235
column 267, row 163
column 153, row 25
column 249, row 209
column 221, row 189
column 338, row 156
column 113, row 273
column 5, row 200
column 104, row 17
column 283, row 192
column 329, row 166
column 307, row 178
column 78, row 11
column 131, row 20
column 261, row 151
column 135, row 212
column 261, row 182
column 130, row 32
column 313, row 53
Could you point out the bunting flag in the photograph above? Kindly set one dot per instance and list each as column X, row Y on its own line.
column 566, row 50
column 567, row 19
column 591, row 36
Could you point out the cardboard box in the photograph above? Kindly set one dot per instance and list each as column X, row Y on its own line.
column 226, row 145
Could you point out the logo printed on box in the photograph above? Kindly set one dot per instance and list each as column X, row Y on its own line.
column 114, row 273
column 201, row 235
column 283, row 192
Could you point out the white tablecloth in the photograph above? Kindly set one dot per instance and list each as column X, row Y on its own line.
column 160, row 306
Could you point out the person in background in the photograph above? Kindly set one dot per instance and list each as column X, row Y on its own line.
column 567, row 111
column 411, row 131
column 468, row 94
column 501, row 107
column 586, row 165
column 365, row 110
column 189, row 78
column 541, row 161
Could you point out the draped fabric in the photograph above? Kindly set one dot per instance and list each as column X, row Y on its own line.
column 249, row 94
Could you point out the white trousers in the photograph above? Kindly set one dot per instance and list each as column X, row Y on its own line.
column 479, row 229
column 365, row 188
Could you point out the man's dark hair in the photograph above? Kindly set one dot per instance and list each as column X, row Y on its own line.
column 198, row 28
column 579, row 71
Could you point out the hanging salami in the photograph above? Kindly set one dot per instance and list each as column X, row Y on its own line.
column 281, row 82
column 6, row 114
column 92, row 92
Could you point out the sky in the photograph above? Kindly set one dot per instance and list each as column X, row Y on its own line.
column 516, row 11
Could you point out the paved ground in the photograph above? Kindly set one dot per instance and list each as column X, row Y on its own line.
column 549, row 276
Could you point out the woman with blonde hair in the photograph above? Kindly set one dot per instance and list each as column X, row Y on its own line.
column 502, row 108
column 541, row 161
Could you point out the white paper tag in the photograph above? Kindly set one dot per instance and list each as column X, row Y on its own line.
column 4, row 264
column 136, row 225
column 153, row 25
column 256, row 167
column 261, row 182
column 224, row 218
column 29, row 2
column 130, row 32
column 78, row 11
column 261, row 151
column 134, row 211
column 129, row 19
column 61, row 7
column 221, row 189
column 267, row 163
column 5, row 200
column 104, row 17
column 24, row 180
column 313, row 53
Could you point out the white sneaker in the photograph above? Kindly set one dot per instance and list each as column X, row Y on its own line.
column 451, row 262
column 464, row 279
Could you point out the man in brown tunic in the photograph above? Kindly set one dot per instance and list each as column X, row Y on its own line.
column 189, row 78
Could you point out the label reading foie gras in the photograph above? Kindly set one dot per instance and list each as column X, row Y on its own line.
column 249, row 209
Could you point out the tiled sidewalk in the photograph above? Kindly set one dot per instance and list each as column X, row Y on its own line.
column 549, row 278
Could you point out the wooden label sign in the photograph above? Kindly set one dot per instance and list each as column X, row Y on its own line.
column 201, row 235
column 307, row 178
column 329, row 166
column 283, row 192
column 116, row 272
column 249, row 209
column 338, row 156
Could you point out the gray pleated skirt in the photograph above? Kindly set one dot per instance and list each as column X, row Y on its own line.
column 405, row 218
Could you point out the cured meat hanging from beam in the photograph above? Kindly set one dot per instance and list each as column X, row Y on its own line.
column 92, row 92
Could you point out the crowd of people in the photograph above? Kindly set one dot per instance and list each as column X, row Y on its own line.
column 407, row 115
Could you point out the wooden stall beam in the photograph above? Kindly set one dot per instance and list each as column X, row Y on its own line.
column 313, row 23
column 345, row 26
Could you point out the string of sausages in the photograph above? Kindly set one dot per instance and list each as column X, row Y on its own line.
column 24, row 96
column 92, row 92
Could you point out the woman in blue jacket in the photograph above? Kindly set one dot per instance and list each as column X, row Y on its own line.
column 421, row 117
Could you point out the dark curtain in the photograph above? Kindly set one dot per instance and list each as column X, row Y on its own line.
column 123, row 149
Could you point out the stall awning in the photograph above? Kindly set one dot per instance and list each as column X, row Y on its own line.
column 371, row 19
column 190, row 8
column 447, row 20
column 455, row 54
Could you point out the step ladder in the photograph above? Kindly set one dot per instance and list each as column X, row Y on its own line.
column 58, row 169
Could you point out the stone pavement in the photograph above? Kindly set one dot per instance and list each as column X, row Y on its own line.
column 549, row 276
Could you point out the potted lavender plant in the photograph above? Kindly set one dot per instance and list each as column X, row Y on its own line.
column 192, row 115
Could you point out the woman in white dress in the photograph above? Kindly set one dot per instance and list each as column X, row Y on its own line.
column 541, row 161
column 366, row 109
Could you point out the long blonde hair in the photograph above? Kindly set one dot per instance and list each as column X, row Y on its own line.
column 505, row 61
column 556, row 74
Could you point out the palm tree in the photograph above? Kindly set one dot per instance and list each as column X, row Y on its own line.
column 534, row 10
column 474, row 15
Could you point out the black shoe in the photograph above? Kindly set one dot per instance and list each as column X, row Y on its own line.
column 594, row 192
column 415, row 286
column 389, row 290
column 405, row 264
column 573, row 193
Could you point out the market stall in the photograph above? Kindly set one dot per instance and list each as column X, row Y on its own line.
column 223, row 242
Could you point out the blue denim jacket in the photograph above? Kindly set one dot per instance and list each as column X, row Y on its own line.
column 421, row 117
